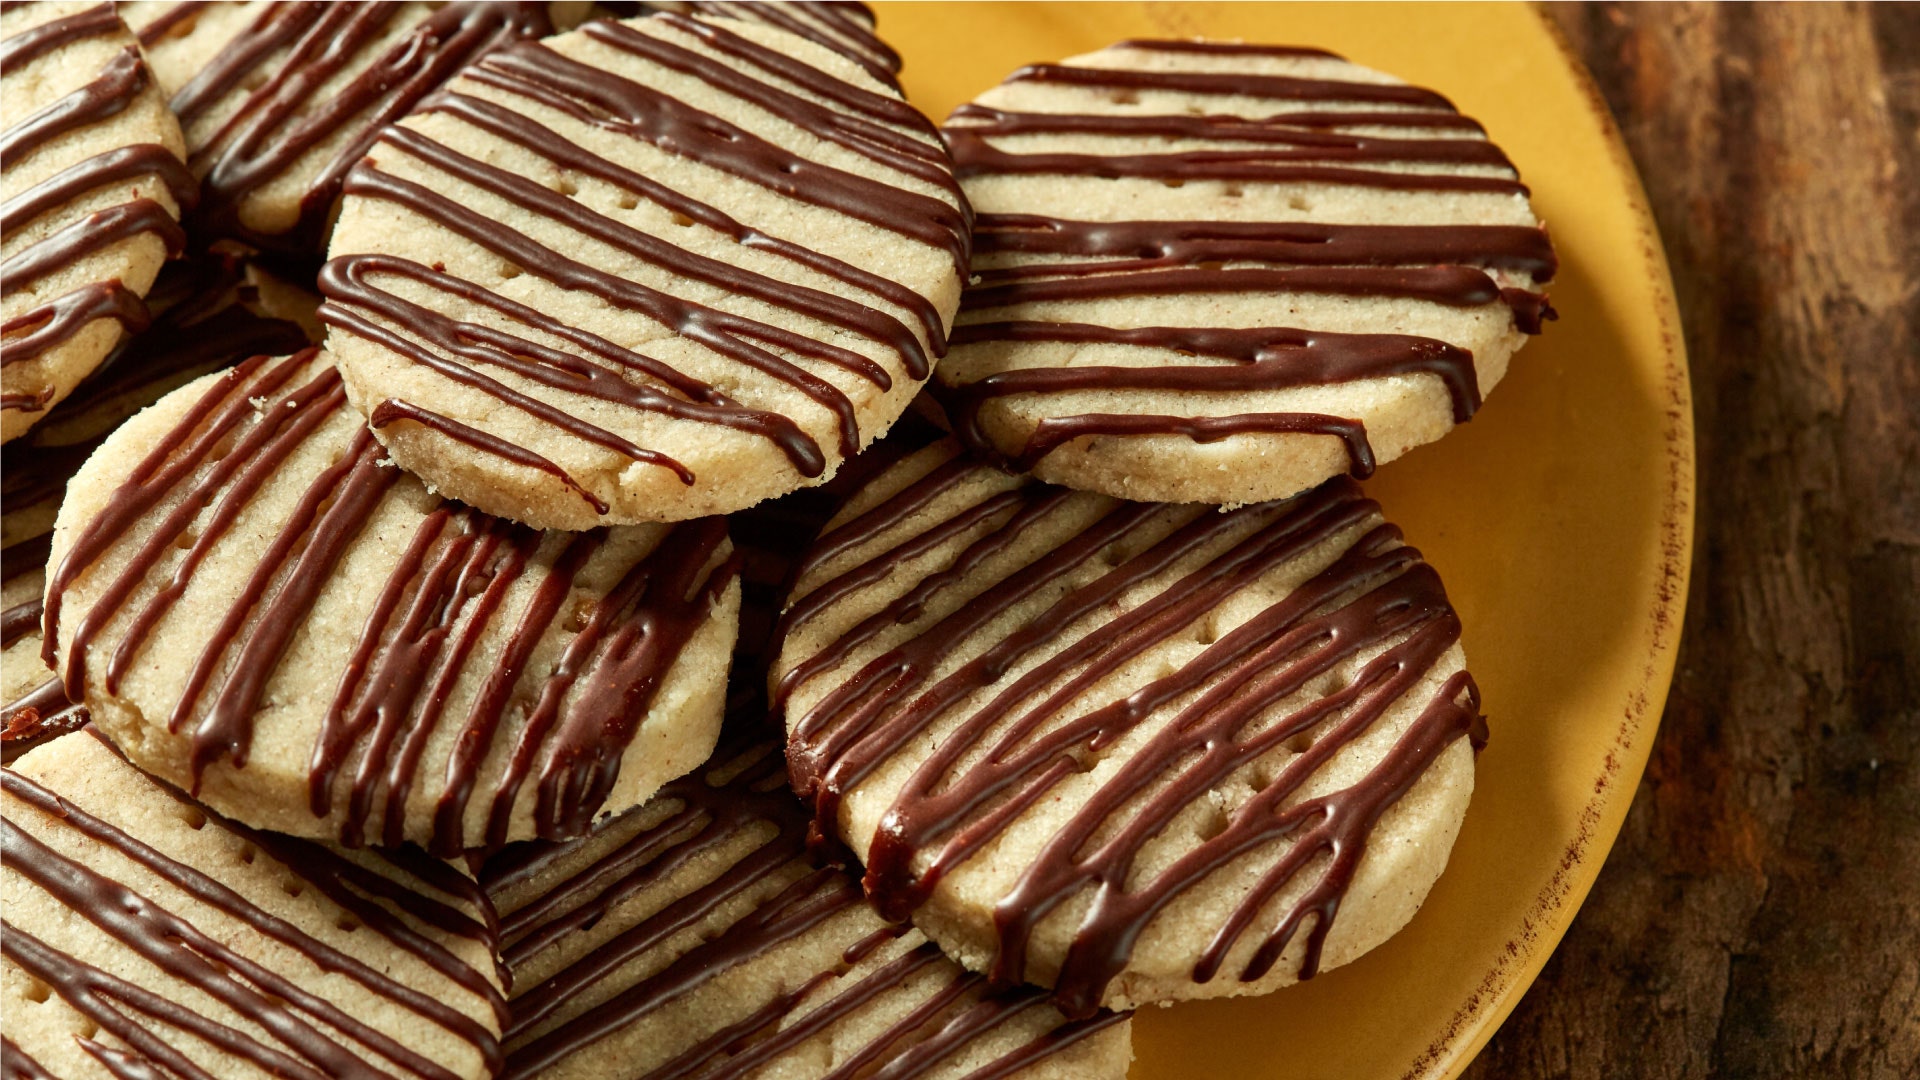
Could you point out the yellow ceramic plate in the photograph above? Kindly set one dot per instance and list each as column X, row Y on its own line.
column 1561, row 519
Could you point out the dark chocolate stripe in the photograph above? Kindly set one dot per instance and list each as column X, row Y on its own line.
column 846, row 28
column 107, row 96
column 663, row 121
column 121, row 81
column 101, row 229
column 1312, row 144
column 163, row 24
column 538, row 139
column 706, row 817
column 264, row 137
column 201, row 327
column 1260, row 359
column 118, row 166
column 43, row 713
column 1513, row 248
column 393, row 409
column 19, row 620
column 974, row 156
column 1270, row 87
column 40, row 41
column 544, row 78
column 1455, row 286
column 421, row 632
column 1377, row 593
column 214, row 894
column 1198, row 47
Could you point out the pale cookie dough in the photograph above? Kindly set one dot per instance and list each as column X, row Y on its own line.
column 693, row 938
column 211, row 312
column 1158, row 745
column 644, row 271
column 1209, row 272
column 147, row 936
column 259, row 607
column 93, row 186
column 278, row 99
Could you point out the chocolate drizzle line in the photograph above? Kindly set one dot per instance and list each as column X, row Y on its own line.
column 708, row 816
column 1029, row 259
column 278, row 1005
column 1376, row 593
column 309, row 45
column 880, row 128
column 443, row 595
column 845, row 26
column 202, row 326
column 57, row 320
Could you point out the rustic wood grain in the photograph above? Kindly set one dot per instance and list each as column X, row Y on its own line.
column 1760, row 915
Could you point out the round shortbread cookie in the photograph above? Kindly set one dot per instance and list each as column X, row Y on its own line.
column 257, row 605
column 847, row 28
column 692, row 937
column 93, row 187
column 1135, row 752
column 1208, row 272
column 278, row 100
column 212, row 311
column 644, row 271
column 145, row 935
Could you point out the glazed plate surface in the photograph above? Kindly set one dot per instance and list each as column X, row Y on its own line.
column 1561, row 519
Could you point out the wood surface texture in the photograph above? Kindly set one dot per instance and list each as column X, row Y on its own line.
column 1760, row 915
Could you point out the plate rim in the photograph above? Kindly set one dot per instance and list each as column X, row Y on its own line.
column 1557, row 904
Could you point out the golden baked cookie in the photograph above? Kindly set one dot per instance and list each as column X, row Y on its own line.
column 1212, row 272
column 257, row 606
column 1135, row 752
column 93, row 186
column 644, row 271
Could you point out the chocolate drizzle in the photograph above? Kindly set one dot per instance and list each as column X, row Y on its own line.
column 845, row 26
column 879, row 128
column 574, row 722
column 56, row 320
column 204, row 324
column 297, row 1024
column 706, row 815
column 274, row 128
column 1002, row 756
column 1310, row 131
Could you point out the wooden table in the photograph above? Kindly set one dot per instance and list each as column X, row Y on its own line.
column 1760, row 915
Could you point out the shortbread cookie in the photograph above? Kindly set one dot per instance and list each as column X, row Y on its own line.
column 211, row 312
column 1135, row 752
column 278, row 99
column 93, row 186
column 147, row 936
column 692, row 937
column 845, row 26
column 1224, row 273
column 644, row 271
column 259, row 607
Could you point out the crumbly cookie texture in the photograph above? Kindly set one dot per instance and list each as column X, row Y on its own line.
column 260, row 608
column 93, row 184
column 644, row 271
column 210, row 312
column 147, row 935
column 1211, row 272
column 693, row 937
column 278, row 100
column 1134, row 752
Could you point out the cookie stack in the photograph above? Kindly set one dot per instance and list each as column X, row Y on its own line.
column 415, row 656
